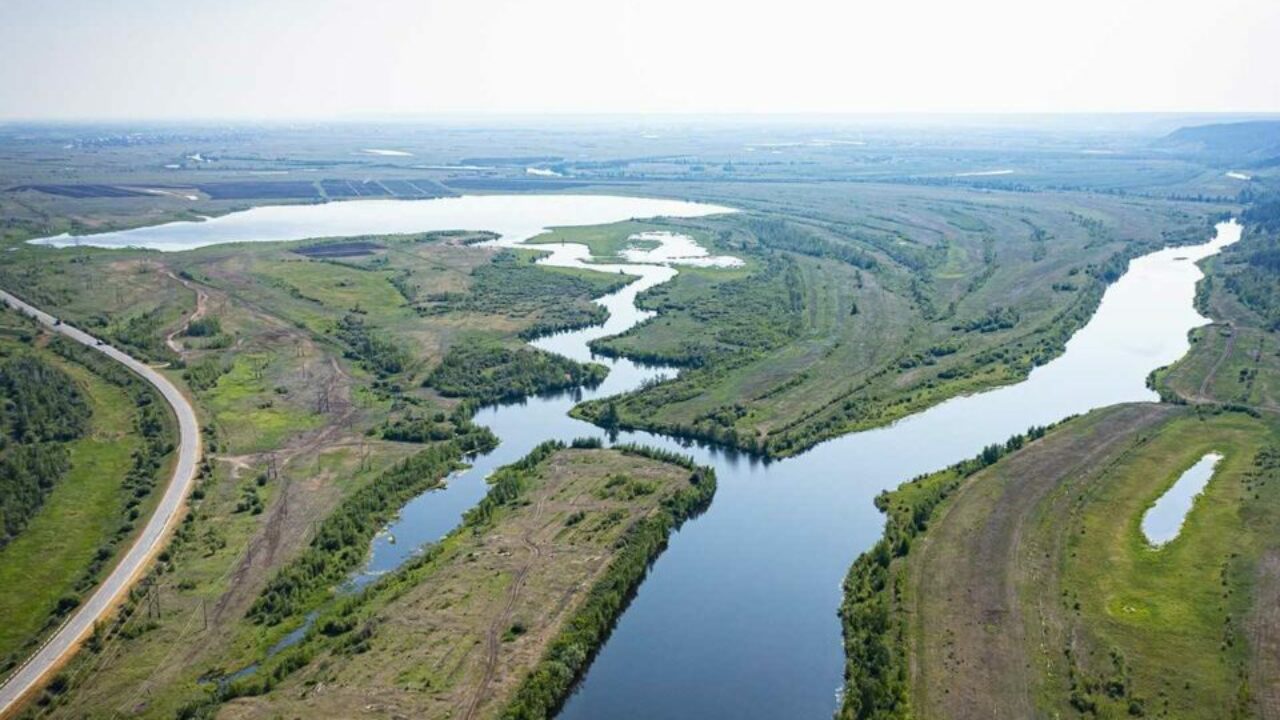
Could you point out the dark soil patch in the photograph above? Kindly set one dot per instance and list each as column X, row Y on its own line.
column 251, row 189
column 355, row 248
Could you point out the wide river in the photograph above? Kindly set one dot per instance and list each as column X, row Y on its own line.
column 738, row 617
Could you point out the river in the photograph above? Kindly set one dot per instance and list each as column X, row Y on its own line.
column 738, row 617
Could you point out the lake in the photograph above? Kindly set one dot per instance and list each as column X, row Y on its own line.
column 737, row 618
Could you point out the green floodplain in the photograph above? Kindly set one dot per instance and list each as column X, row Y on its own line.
column 336, row 378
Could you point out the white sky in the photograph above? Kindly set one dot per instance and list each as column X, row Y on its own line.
column 323, row 58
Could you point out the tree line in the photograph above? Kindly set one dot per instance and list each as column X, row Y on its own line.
column 544, row 690
column 873, row 624
column 490, row 373
column 342, row 540
column 512, row 284
column 41, row 409
column 1252, row 276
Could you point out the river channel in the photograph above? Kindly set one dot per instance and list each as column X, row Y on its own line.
column 737, row 619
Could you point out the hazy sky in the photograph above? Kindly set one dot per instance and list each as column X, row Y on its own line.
column 319, row 58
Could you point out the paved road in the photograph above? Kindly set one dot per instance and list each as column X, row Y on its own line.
column 67, row 639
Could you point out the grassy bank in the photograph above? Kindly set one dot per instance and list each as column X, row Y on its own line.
column 838, row 324
column 1081, row 616
column 1233, row 360
column 300, row 364
column 502, row 615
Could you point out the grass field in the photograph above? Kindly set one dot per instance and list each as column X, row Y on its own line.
column 605, row 241
column 1030, row 590
column 94, row 509
column 1180, row 625
column 126, row 298
column 148, row 662
column 250, row 413
column 459, row 633
column 1236, row 360
column 45, row 562
column 863, row 305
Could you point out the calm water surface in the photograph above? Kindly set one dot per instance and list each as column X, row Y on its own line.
column 515, row 217
column 1163, row 521
column 738, row 617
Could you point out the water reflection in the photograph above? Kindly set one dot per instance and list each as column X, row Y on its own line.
column 737, row 619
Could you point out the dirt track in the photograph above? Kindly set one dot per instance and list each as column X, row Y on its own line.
column 1264, row 630
column 503, row 620
column 971, row 571
column 202, row 301
column 1222, row 358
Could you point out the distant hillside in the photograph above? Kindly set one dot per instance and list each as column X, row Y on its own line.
column 1256, row 143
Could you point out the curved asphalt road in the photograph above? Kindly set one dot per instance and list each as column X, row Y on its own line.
column 68, row 637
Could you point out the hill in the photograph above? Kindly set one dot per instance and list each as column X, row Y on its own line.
column 1255, row 143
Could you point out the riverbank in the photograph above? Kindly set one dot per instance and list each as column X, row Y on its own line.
column 950, row 617
column 799, row 348
column 780, row 535
column 500, row 616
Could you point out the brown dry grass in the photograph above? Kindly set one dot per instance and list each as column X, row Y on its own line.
column 459, row 642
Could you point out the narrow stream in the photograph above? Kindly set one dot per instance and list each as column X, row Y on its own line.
column 738, row 617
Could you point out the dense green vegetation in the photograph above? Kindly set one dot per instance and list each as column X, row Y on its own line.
column 141, row 334
column 1231, row 362
column 840, row 321
column 341, row 541
column 739, row 316
column 40, row 409
column 782, row 235
column 1252, row 267
column 40, row 402
column 377, row 354
column 416, row 426
column 488, row 372
column 512, row 284
column 204, row 327
column 204, row 374
column 83, row 444
column 28, row 473
column 506, row 485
